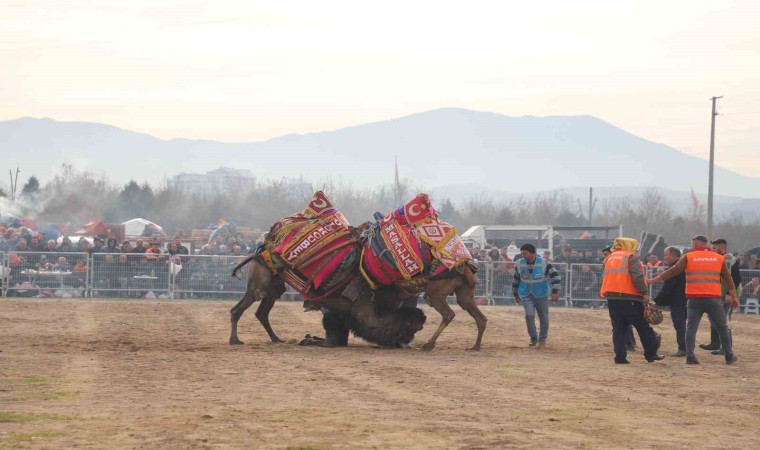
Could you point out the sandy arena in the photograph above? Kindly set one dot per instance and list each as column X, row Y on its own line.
column 147, row 374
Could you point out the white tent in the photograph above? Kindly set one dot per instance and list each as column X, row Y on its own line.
column 136, row 227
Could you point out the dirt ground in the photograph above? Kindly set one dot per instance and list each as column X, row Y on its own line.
column 159, row 374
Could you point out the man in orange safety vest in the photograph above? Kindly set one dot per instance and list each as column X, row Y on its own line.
column 704, row 271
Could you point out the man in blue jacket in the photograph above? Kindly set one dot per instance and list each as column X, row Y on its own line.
column 534, row 277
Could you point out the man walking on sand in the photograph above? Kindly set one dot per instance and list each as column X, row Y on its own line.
column 704, row 271
column 530, row 285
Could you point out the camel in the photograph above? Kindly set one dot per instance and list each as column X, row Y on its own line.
column 438, row 289
column 267, row 287
column 365, row 314
column 344, row 260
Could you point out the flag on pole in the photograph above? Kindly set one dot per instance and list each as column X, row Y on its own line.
column 694, row 200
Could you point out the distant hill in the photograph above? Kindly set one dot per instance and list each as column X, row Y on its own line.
column 437, row 148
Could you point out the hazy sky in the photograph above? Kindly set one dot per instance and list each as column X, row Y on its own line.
column 248, row 70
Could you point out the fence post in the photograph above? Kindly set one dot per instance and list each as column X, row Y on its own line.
column 170, row 278
column 3, row 276
column 88, row 278
column 489, row 282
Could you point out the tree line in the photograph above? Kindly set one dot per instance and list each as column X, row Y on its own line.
column 77, row 196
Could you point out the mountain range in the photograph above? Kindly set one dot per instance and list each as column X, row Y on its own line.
column 439, row 149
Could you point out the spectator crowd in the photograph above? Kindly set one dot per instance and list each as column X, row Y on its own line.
column 132, row 268
column 136, row 267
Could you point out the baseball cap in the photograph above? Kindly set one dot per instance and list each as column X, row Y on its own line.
column 699, row 237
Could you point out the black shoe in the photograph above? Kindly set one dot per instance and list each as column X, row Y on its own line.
column 625, row 361
column 730, row 359
column 719, row 351
column 656, row 358
column 714, row 340
column 533, row 342
column 691, row 360
column 679, row 354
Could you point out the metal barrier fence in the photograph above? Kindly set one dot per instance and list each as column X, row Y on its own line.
column 749, row 297
column 4, row 270
column 209, row 277
column 130, row 275
column 37, row 274
column 138, row 275
column 584, row 281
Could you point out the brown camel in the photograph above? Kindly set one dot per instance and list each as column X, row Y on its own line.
column 267, row 287
column 364, row 314
column 436, row 292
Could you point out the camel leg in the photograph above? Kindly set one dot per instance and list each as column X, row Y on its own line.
column 447, row 315
column 236, row 312
column 466, row 300
column 336, row 329
column 262, row 313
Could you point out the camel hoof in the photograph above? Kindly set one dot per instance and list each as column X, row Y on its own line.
column 277, row 341
column 428, row 346
column 475, row 348
column 236, row 341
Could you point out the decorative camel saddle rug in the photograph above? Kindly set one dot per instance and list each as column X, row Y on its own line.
column 315, row 249
column 407, row 242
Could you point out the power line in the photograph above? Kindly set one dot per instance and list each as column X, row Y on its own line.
column 752, row 127
column 740, row 113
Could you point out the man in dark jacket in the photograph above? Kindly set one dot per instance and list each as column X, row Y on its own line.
column 140, row 247
column 673, row 294
column 110, row 247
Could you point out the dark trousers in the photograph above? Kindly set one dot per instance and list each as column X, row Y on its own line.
column 726, row 309
column 695, row 308
column 624, row 313
column 630, row 339
column 678, row 315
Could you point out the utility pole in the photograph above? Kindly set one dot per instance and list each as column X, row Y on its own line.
column 396, row 185
column 712, row 165
column 14, row 183
column 591, row 203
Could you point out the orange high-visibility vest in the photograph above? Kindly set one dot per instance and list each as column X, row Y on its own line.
column 617, row 278
column 657, row 264
column 703, row 274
